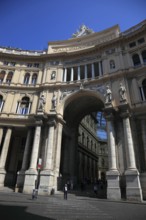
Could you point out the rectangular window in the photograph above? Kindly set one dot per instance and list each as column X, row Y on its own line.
column 23, row 110
column 6, row 63
column 8, row 81
column 96, row 67
column 141, row 93
column 132, row 44
column 12, row 64
column 29, row 65
column 141, row 40
column 36, row 65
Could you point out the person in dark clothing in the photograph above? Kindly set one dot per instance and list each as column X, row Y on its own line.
column 34, row 194
column 65, row 191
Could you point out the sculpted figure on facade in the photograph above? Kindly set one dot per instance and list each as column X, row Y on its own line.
column 122, row 92
column 42, row 102
column 108, row 95
column 53, row 75
column 83, row 30
column 54, row 101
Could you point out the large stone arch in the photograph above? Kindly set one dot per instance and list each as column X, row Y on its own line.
column 76, row 106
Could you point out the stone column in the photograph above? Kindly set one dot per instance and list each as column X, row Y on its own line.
column 79, row 71
column 31, row 173
column 1, row 106
column 133, row 186
column 47, row 174
column 135, row 92
column 113, row 189
column 3, row 156
column 142, row 94
column 1, row 135
column 72, row 74
column 48, row 165
column 44, row 74
column 105, row 66
column 85, row 73
column 121, row 60
column 65, row 75
column 21, row 173
column 100, row 70
column 58, row 153
column 143, row 128
column 93, row 71
column 143, row 175
column 141, row 59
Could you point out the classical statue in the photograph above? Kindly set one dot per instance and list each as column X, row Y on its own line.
column 42, row 102
column 122, row 92
column 53, row 75
column 108, row 95
column 83, row 30
column 54, row 102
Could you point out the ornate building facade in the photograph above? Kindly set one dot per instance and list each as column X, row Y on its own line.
column 92, row 151
column 45, row 94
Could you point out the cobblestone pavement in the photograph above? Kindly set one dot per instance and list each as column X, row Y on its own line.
column 16, row 206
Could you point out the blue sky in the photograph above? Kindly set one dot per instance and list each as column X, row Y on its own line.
column 31, row 24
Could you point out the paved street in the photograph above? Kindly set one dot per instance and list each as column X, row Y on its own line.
column 15, row 206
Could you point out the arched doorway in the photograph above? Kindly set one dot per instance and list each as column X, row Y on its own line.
column 77, row 106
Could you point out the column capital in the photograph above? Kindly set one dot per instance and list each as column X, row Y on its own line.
column 51, row 122
column 125, row 114
column 38, row 122
column 109, row 116
column 124, row 110
column 109, row 113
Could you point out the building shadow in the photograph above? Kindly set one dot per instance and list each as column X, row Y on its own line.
column 19, row 212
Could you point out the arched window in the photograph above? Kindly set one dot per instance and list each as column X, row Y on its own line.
column 24, row 106
column 26, row 78
column 144, row 88
column 1, row 102
column 34, row 79
column 136, row 60
column 95, row 147
column 2, row 75
column 83, row 138
column 91, row 145
column 144, row 56
column 9, row 78
column 87, row 142
column 112, row 64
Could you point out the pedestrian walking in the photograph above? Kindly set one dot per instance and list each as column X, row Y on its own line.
column 65, row 191
column 34, row 194
column 95, row 189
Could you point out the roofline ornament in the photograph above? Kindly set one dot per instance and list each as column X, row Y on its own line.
column 83, row 31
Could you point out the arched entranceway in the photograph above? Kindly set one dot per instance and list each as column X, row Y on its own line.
column 76, row 107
